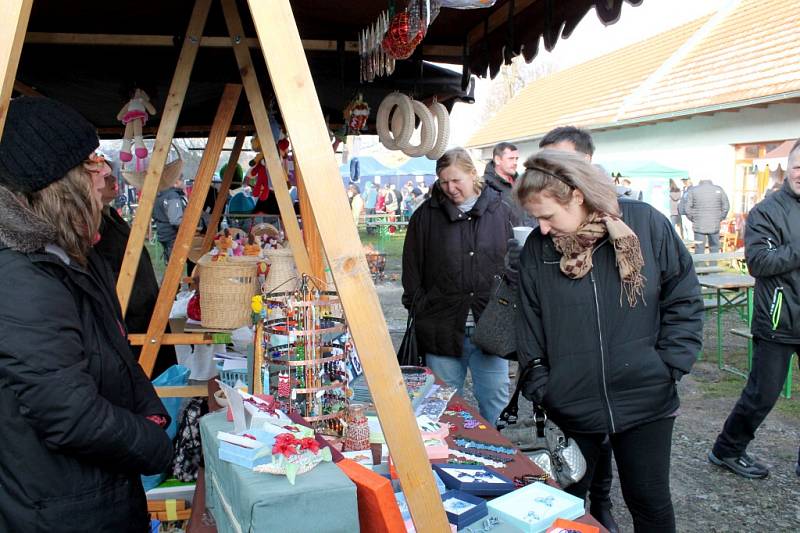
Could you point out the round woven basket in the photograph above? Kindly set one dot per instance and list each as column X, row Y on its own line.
column 226, row 290
column 264, row 228
column 281, row 270
column 172, row 171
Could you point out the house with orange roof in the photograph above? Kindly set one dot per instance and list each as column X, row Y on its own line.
column 718, row 97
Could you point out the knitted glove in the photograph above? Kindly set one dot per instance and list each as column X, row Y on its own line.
column 536, row 385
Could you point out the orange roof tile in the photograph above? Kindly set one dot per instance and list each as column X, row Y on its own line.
column 750, row 53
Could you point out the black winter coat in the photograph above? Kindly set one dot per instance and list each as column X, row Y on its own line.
column 772, row 250
column 114, row 234
column 518, row 215
column 611, row 367
column 451, row 258
column 73, row 401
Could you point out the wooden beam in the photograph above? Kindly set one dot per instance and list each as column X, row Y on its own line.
column 316, row 254
column 138, row 339
column 272, row 159
column 166, row 130
column 186, row 231
column 302, row 114
column 222, row 195
column 497, row 19
column 185, row 391
column 14, row 16
column 115, row 39
column 25, row 90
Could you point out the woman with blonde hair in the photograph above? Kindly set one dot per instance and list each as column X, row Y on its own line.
column 611, row 319
column 84, row 420
column 455, row 245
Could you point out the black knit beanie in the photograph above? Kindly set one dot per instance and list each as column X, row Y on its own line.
column 42, row 140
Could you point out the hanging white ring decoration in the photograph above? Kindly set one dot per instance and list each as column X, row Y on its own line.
column 427, row 132
column 402, row 126
column 439, row 111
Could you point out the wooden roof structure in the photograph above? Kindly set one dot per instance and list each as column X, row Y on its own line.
column 175, row 33
column 744, row 56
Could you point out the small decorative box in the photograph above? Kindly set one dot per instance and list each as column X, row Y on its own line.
column 463, row 509
column 436, row 448
column 474, row 479
column 431, row 428
column 535, row 507
column 244, row 453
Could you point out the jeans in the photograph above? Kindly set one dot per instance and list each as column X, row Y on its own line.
column 643, row 462
column 700, row 242
column 600, row 489
column 770, row 365
column 489, row 377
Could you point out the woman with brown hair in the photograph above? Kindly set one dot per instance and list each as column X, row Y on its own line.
column 455, row 245
column 83, row 419
column 611, row 319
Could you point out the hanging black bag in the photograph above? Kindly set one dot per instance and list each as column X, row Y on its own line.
column 408, row 353
column 495, row 333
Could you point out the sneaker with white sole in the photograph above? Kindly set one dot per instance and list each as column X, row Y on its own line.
column 743, row 465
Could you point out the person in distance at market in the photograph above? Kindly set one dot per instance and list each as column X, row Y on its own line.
column 81, row 420
column 455, row 245
column 611, row 319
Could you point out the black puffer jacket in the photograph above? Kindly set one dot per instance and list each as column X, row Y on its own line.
column 611, row 367
column 772, row 250
column 451, row 258
column 518, row 215
column 73, row 401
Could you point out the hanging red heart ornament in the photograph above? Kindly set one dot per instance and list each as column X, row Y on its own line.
column 400, row 40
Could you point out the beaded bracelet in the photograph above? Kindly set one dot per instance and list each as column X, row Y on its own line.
column 478, row 445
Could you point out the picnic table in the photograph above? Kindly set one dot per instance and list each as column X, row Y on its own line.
column 732, row 290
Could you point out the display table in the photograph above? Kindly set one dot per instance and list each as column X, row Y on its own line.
column 323, row 499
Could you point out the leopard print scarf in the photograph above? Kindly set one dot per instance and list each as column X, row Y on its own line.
column 576, row 252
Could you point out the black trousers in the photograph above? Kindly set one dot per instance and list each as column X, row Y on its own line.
column 642, row 454
column 602, row 477
column 764, row 384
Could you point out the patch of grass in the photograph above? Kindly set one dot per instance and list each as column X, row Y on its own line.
column 156, row 257
column 391, row 245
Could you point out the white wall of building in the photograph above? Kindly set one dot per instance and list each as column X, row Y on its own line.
column 702, row 145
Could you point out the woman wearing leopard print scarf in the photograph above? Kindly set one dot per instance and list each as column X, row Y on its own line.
column 611, row 319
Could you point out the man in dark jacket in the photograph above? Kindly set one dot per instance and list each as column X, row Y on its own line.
column 706, row 206
column 772, row 250
column 500, row 174
column 168, row 214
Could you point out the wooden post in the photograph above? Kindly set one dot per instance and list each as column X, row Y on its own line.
column 222, row 195
column 316, row 254
column 302, row 114
column 14, row 16
column 166, row 129
column 191, row 217
column 271, row 157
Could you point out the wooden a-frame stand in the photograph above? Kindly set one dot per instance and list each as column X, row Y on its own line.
column 325, row 213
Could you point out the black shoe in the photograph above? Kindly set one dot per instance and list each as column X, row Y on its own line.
column 744, row 465
column 797, row 469
column 604, row 516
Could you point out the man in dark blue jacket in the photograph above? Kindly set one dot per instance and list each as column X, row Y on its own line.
column 772, row 250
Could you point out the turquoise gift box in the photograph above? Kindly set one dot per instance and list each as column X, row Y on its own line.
column 246, row 457
column 535, row 507
column 323, row 500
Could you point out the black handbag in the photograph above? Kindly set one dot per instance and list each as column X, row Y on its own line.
column 496, row 330
column 408, row 353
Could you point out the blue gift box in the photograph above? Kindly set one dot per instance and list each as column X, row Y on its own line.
column 246, row 457
column 463, row 509
column 535, row 507
column 474, row 479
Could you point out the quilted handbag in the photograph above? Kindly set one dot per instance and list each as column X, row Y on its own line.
column 495, row 332
column 552, row 451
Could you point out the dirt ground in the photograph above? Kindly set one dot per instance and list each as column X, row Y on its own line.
column 706, row 498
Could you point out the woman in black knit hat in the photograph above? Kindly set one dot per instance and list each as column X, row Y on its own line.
column 82, row 420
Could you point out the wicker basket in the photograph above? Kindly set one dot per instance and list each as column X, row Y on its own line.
column 226, row 290
column 281, row 270
column 171, row 172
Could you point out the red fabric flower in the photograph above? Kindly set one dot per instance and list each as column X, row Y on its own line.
column 286, row 449
column 309, row 443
